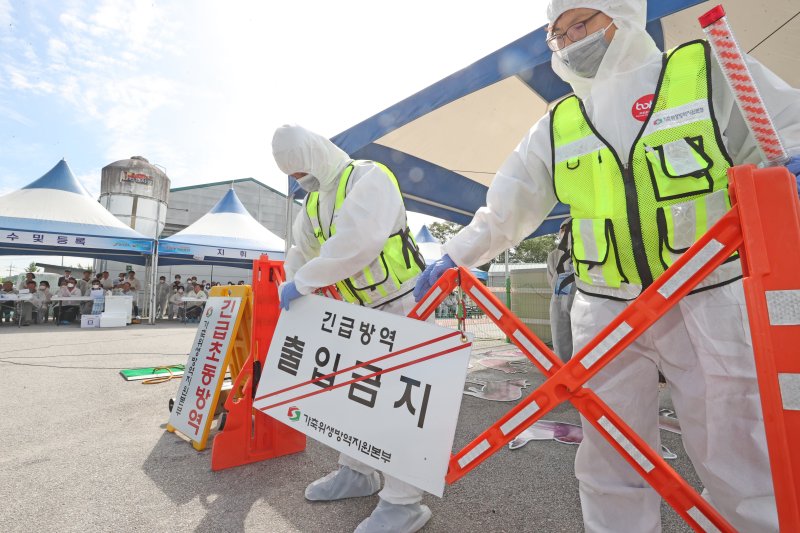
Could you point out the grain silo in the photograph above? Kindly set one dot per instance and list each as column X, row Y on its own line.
column 136, row 192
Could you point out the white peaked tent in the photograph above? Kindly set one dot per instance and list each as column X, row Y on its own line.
column 227, row 235
column 55, row 215
column 446, row 142
column 429, row 246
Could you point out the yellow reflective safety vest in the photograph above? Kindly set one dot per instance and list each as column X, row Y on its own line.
column 393, row 273
column 632, row 219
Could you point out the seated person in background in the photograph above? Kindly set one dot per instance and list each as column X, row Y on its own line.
column 106, row 281
column 29, row 276
column 125, row 290
column 7, row 307
column 43, row 297
column 195, row 309
column 28, row 307
column 119, row 281
column 96, row 306
column 68, row 310
column 175, row 305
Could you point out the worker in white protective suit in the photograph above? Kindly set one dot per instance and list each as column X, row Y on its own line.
column 640, row 154
column 353, row 223
column 561, row 277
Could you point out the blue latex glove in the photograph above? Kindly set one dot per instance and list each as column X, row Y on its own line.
column 289, row 292
column 430, row 275
column 794, row 167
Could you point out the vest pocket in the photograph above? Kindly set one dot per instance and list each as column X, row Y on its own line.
column 679, row 168
column 594, row 252
column 681, row 225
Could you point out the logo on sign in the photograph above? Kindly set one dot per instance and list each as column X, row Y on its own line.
column 209, row 311
column 293, row 414
column 641, row 107
column 136, row 177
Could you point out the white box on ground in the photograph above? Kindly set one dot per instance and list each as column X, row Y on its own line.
column 119, row 304
column 113, row 320
column 90, row 321
column 401, row 418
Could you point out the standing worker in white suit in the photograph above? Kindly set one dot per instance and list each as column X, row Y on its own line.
column 353, row 233
column 640, row 154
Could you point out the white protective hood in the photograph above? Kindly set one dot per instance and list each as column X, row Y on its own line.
column 630, row 48
column 297, row 149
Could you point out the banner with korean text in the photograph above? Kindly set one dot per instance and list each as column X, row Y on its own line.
column 381, row 388
column 205, row 369
column 68, row 240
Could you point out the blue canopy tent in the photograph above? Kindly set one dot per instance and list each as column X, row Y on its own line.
column 446, row 142
column 227, row 235
column 55, row 215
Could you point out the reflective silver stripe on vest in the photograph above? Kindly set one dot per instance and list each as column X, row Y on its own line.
column 584, row 146
column 586, row 230
column 684, row 222
column 376, row 269
column 406, row 287
column 684, row 218
column 716, row 207
column 678, row 116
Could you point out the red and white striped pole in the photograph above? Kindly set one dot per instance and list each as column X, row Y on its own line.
column 730, row 57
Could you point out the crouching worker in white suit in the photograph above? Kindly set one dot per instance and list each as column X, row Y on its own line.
column 640, row 154
column 352, row 232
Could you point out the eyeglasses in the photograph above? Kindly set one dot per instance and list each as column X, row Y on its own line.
column 574, row 33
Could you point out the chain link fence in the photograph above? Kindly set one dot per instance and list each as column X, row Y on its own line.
column 530, row 302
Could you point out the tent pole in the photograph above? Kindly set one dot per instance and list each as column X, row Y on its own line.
column 153, row 280
column 288, row 232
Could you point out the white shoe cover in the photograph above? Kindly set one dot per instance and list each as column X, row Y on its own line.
column 395, row 518
column 343, row 483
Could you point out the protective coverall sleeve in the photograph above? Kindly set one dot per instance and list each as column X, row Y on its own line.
column 305, row 247
column 371, row 212
column 519, row 198
column 783, row 104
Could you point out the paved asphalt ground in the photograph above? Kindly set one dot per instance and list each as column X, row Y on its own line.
column 84, row 450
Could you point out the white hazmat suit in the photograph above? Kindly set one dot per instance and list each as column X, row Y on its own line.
column 372, row 211
column 702, row 345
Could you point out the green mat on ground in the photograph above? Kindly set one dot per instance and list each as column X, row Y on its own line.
column 133, row 374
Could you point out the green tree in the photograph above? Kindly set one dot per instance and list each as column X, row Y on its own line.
column 32, row 267
column 444, row 231
column 533, row 250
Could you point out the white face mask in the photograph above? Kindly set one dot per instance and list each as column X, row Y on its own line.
column 584, row 57
column 308, row 183
column 70, row 285
column 42, row 288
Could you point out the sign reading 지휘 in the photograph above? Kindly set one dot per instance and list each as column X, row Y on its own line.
column 381, row 388
column 208, row 359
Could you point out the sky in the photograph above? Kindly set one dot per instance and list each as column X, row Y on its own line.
column 198, row 87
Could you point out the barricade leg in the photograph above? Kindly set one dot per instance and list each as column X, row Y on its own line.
column 647, row 462
column 772, row 289
column 770, row 221
column 249, row 435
